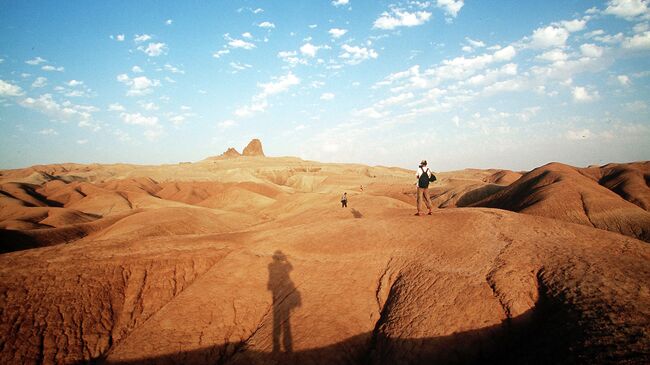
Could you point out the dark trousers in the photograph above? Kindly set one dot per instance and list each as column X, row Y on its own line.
column 344, row 203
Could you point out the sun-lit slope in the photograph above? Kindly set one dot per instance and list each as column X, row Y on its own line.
column 177, row 221
column 567, row 193
column 369, row 289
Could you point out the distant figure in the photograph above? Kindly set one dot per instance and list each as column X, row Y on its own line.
column 285, row 298
column 361, row 188
column 344, row 200
column 423, row 175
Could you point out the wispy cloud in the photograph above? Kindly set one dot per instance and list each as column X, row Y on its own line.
column 354, row 55
column 138, row 86
column 401, row 18
column 8, row 89
column 154, row 49
column 337, row 32
column 451, row 7
column 267, row 25
column 36, row 61
column 139, row 38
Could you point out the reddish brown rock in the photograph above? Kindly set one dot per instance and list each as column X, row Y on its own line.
column 253, row 261
column 254, row 148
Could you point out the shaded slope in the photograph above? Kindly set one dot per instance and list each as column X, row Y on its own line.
column 564, row 192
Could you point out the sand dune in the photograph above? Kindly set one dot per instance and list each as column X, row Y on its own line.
column 251, row 259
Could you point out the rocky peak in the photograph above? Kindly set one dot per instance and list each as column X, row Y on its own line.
column 254, row 148
column 231, row 152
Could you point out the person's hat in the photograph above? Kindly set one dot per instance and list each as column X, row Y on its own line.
column 423, row 162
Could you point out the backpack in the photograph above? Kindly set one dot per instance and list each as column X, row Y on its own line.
column 423, row 181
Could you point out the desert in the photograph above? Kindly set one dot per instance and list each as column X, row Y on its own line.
column 324, row 182
column 240, row 259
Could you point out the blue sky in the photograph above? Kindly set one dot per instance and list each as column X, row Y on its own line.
column 483, row 84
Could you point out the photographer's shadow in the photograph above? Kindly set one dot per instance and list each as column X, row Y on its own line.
column 286, row 297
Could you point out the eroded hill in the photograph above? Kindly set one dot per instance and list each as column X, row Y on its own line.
column 250, row 259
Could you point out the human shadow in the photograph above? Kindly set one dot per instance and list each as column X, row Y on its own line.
column 549, row 333
column 356, row 213
column 286, row 298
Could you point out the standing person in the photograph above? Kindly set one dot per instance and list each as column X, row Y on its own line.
column 344, row 200
column 423, row 175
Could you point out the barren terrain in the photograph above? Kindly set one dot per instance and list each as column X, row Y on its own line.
column 247, row 259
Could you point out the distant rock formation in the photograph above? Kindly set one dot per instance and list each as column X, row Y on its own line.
column 254, row 148
column 231, row 152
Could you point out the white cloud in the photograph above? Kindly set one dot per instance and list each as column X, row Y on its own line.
column 505, row 54
column 370, row 112
column 137, row 69
column 65, row 111
column 138, row 119
column 260, row 103
column 309, row 50
column 292, row 58
column 395, row 100
column 549, row 37
column 474, row 43
column 337, row 32
column 281, row 84
column 154, row 49
column 138, row 86
column 312, row 26
column 355, row 55
column 624, row 80
column 82, row 141
column 582, row 95
column 169, row 21
column 239, row 43
column 257, row 106
column 554, row 55
column 258, row 10
column 451, row 7
column 401, row 18
column 115, row 107
column 610, row 39
column 120, row 37
column 641, row 27
column 36, row 61
column 139, row 38
column 39, row 82
column 52, row 68
column 327, row 96
column 247, row 35
column 173, row 69
column 340, row 2
column 75, row 83
column 149, row 106
column 267, row 25
column 575, row 25
column 578, row 134
column 8, row 89
column 220, row 53
column 628, row 9
column 591, row 50
column 240, row 66
column 48, row 132
column 638, row 41
column 226, row 124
